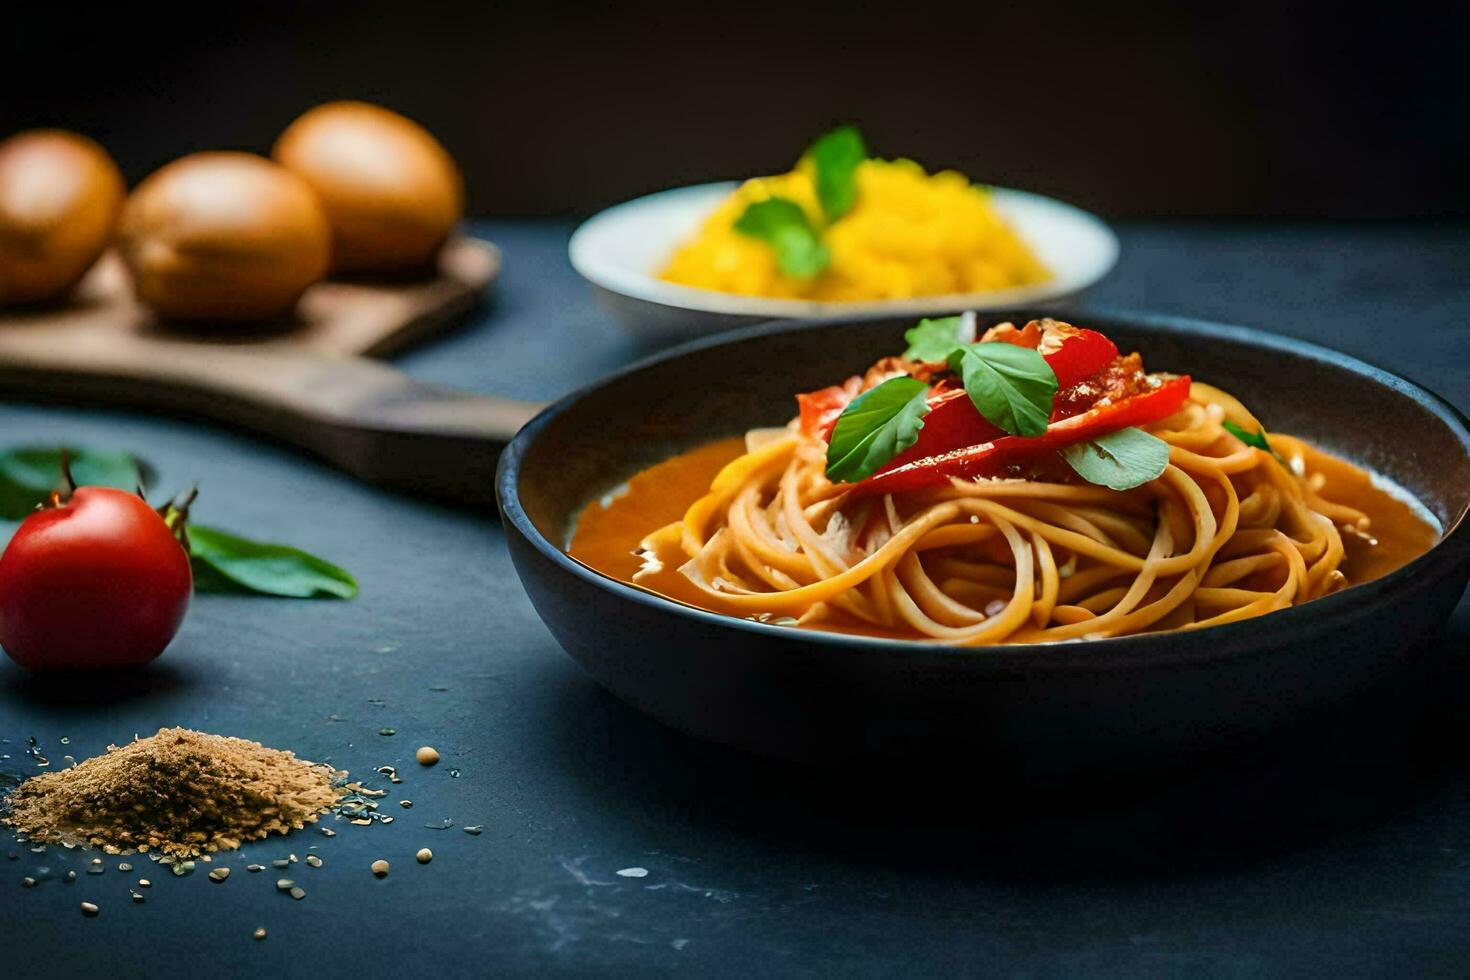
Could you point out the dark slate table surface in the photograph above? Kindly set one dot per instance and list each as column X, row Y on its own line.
column 1336, row 853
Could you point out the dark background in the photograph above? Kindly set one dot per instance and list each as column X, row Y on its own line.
column 1151, row 109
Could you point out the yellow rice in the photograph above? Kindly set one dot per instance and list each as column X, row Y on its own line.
column 910, row 234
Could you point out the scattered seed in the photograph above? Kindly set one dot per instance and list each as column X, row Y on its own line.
column 258, row 934
column 313, row 860
column 424, row 856
column 144, row 883
column 219, row 874
column 252, row 868
column 427, row 755
column 406, row 804
column 65, row 740
column 38, row 848
column 454, row 774
column 298, row 893
column 291, row 858
column 328, row 832
column 71, row 876
column 380, row 868
column 285, row 884
column 444, row 824
column 125, row 867
column 89, row 910
column 28, row 882
column 387, row 731
column 634, row 873
column 475, row 831
column 385, row 820
column 137, row 896
column 281, row 863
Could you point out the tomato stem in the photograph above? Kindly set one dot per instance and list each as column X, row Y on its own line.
column 175, row 514
column 71, row 484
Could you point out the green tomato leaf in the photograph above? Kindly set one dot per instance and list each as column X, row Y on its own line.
column 226, row 563
column 878, row 425
column 29, row 475
column 784, row 226
column 1011, row 386
column 936, row 339
column 836, row 157
column 1120, row 460
column 1257, row 438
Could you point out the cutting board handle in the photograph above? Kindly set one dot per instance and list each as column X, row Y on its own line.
column 358, row 414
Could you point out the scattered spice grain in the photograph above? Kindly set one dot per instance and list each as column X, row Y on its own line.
column 179, row 792
column 258, row 934
column 219, row 874
column 380, row 868
column 424, row 856
column 89, row 910
column 427, row 755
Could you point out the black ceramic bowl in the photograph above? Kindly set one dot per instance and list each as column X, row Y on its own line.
column 818, row 696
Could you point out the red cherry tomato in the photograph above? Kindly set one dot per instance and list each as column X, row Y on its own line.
column 96, row 581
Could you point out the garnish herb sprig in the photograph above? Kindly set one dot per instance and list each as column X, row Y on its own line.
column 785, row 226
column 1013, row 387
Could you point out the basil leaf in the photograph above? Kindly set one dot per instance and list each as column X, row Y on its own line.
column 29, row 475
column 875, row 427
column 936, row 339
column 836, row 157
column 1011, row 386
column 226, row 563
column 1120, row 460
column 784, row 226
column 1257, row 438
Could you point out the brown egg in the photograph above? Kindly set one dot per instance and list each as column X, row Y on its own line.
column 392, row 192
column 59, row 198
column 224, row 236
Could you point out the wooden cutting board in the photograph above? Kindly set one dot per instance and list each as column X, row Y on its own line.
column 310, row 381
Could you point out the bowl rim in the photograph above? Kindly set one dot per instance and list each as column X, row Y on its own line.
column 1151, row 650
column 648, row 288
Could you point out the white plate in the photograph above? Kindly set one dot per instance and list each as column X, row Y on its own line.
column 619, row 250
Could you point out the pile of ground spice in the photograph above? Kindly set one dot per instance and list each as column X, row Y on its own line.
column 180, row 792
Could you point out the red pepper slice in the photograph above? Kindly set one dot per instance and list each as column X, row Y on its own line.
column 1075, row 354
column 819, row 409
column 990, row 457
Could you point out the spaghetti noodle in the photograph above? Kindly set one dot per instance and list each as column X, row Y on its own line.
column 1227, row 531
